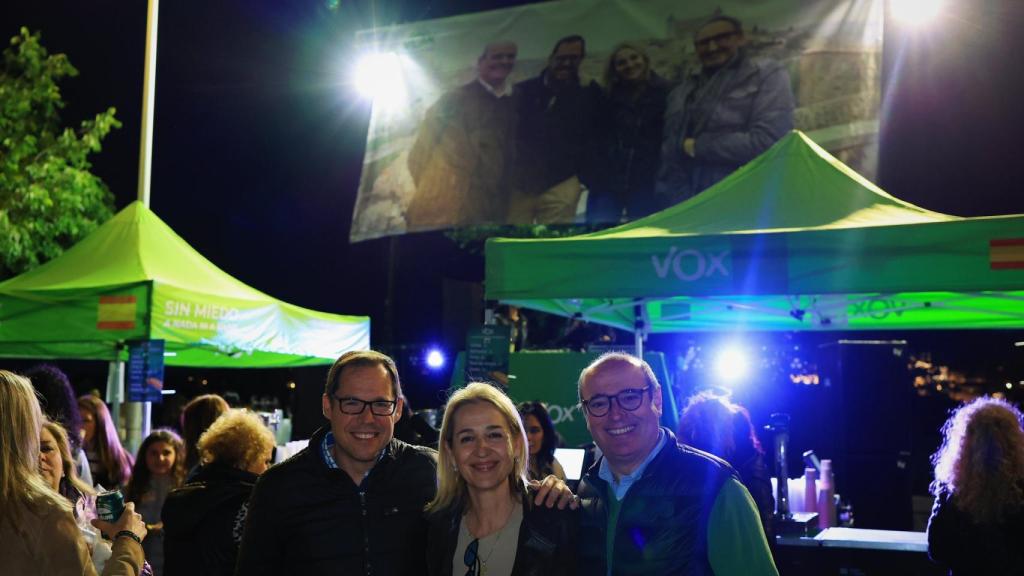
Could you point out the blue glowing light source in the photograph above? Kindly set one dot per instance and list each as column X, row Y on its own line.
column 732, row 364
column 435, row 359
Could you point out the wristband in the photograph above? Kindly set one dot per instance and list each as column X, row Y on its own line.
column 129, row 534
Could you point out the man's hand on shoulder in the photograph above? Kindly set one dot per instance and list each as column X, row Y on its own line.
column 552, row 492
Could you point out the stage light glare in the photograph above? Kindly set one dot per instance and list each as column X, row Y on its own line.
column 435, row 359
column 732, row 364
column 916, row 13
column 378, row 76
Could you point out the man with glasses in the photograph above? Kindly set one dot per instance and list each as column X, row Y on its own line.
column 352, row 501
column 650, row 504
column 722, row 116
column 560, row 136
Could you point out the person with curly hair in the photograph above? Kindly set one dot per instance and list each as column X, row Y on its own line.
column 977, row 521
column 38, row 533
column 714, row 424
column 204, row 519
column 110, row 463
column 540, row 432
column 159, row 468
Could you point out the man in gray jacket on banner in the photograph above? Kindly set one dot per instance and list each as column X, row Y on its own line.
column 723, row 116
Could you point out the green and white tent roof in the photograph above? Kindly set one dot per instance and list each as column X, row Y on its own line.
column 135, row 278
column 794, row 240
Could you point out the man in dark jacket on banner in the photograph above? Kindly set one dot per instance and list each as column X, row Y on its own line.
column 352, row 501
column 723, row 116
column 650, row 504
column 559, row 139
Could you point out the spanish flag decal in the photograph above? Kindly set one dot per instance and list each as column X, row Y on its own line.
column 116, row 313
column 1006, row 253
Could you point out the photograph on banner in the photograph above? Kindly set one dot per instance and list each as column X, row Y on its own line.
column 596, row 111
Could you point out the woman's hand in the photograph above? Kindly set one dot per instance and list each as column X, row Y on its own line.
column 130, row 520
column 551, row 491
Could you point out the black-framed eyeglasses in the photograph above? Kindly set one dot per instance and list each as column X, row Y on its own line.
column 356, row 406
column 471, row 558
column 717, row 39
column 629, row 399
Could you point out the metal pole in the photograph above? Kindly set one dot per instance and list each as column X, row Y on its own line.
column 138, row 420
column 148, row 99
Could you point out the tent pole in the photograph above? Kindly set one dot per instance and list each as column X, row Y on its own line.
column 115, row 392
column 638, row 330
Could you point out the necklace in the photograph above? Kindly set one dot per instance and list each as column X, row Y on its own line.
column 494, row 546
column 484, row 559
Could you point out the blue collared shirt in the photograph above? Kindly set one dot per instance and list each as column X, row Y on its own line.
column 622, row 486
column 327, row 449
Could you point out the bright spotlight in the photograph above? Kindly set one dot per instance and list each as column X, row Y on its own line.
column 916, row 13
column 379, row 77
column 731, row 364
column 435, row 359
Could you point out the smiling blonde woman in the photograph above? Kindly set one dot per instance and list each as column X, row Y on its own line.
column 482, row 521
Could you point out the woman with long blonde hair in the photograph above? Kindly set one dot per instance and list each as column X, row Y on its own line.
column 481, row 518
column 38, row 534
column 60, row 471
column 636, row 97
column 977, row 522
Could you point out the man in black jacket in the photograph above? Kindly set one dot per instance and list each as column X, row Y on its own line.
column 352, row 501
column 651, row 505
column 559, row 138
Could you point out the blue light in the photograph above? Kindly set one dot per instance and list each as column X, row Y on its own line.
column 435, row 359
column 732, row 364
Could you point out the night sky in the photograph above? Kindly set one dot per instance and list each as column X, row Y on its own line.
column 258, row 142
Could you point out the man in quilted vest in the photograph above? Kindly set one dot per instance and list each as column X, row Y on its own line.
column 652, row 505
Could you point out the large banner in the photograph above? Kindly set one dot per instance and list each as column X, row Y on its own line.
column 605, row 111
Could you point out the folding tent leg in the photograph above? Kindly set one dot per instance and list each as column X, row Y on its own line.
column 638, row 330
column 115, row 391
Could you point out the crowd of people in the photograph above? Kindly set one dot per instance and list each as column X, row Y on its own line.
column 495, row 152
column 491, row 499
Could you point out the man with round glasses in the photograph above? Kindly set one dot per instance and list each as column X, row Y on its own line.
column 652, row 505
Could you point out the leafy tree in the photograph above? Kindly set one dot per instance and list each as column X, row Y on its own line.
column 48, row 198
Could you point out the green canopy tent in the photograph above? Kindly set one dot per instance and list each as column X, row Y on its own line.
column 794, row 240
column 135, row 279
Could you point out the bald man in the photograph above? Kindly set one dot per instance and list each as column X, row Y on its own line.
column 463, row 150
column 650, row 504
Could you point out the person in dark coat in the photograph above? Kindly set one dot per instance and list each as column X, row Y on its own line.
column 203, row 520
column 977, row 522
column 636, row 98
column 717, row 426
column 560, row 139
column 482, row 520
